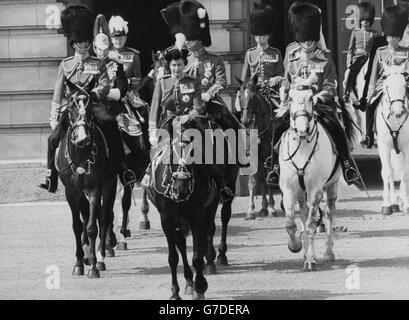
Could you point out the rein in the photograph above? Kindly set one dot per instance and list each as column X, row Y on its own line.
column 395, row 133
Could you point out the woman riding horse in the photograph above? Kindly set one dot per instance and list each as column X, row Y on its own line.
column 310, row 66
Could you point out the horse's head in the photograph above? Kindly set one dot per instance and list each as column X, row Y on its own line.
column 301, row 110
column 394, row 89
column 79, row 106
column 249, row 100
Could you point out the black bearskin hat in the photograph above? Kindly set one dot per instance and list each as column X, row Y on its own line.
column 305, row 21
column 195, row 22
column 366, row 12
column 261, row 20
column 394, row 21
column 171, row 15
column 77, row 22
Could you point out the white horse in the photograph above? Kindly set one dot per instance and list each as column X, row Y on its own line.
column 359, row 116
column 392, row 127
column 309, row 166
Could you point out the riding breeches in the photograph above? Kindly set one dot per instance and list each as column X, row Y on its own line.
column 354, row 69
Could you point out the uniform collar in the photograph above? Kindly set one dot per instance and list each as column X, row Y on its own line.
column 199, row 52
column 181, row 77
column 263, row 49
column 81, row 57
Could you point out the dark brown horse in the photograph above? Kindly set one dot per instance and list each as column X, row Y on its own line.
column 258, row 113
column 148, row 83
column 89, row 179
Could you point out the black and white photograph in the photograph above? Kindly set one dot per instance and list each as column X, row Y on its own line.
column 220, row 150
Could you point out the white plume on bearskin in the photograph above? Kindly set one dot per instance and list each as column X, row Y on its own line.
column 118, row 25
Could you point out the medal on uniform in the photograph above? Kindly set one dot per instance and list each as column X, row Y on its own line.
column 208, row 74
column 91, row 68
column 126, row 58
column 185, row 98
column 186, row 88
column 205, row 81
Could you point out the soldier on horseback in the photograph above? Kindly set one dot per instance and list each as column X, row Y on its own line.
column 394, row 21
column 263, row 61
column 360, row 46
column 81, row 69
column 311, row 67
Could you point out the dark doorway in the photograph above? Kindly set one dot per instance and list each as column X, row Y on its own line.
column 147, row 30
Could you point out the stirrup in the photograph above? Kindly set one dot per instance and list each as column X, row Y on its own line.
column 226, row 194
column 47, row 185
column 351, row 175
column 268, row 163
column 273, row 177
column 129, row 177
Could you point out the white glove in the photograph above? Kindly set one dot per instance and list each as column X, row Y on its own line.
column 53, row 123
column 272, row 82
column 184, row 119
column 206, row 97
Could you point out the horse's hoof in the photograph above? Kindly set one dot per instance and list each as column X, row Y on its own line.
column 175, row 297
column 101, row 266
column 189, row 290
column 395, row 208
column 127, row 233
column 144, row 225
column 109, row 253
column 93, row 274
column 295, row 247
column 272, row 212
column 122, row 246
column 250, row 216
column 322, row 228
column 211, row 269
column 78, row 271
column 85, row 261
column 329, row 257
column 386, row 211
column 312, row 267
column 222, row 260
column 198, row 296
column 263, row 213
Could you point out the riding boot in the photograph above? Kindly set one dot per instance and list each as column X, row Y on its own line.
column 370, row 118
column 280, row 125
column 50, row 182
column 334, row 128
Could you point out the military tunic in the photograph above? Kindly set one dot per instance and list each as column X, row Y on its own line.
column 391, row 57
column 360, row 44
column 175, row 97
column 210, row 71
column 132, row 66
column 81, row 72
column 266, row 64
column 300, row 71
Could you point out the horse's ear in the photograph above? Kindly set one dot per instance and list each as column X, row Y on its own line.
column 70, row 85
column 239, row 81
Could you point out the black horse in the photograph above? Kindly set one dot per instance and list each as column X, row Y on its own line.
column 181, row 192
column 89, row 179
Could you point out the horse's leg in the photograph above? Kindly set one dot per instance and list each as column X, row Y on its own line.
column 92, row 230
column 314, row 198
column 264, row 203
column 199, row 226
column 250, row 210
column 211, row 252
column 144, row 224
column 126, row 206
column 173, row 257
column 181, row 245
column 84, row 208
column 108, row 201
column 271, row 202
column 387, row 177
column 405, row 180
column 110, row 240
column 73, row 201
column 225, row 218
column 289, row 199
column 302, row 201
column 332, row 195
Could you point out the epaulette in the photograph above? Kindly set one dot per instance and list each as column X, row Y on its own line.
column 252, row 49
column 322, row 54
column 68, row 59
column 66, row 64
column 294, row 54
column 165, row 76
column 382, row 48
column 133, row 50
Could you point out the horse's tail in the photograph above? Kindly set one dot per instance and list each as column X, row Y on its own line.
column 185, row 227
column 349, row 124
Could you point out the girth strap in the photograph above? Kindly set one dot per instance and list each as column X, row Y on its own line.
column 395, row 133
